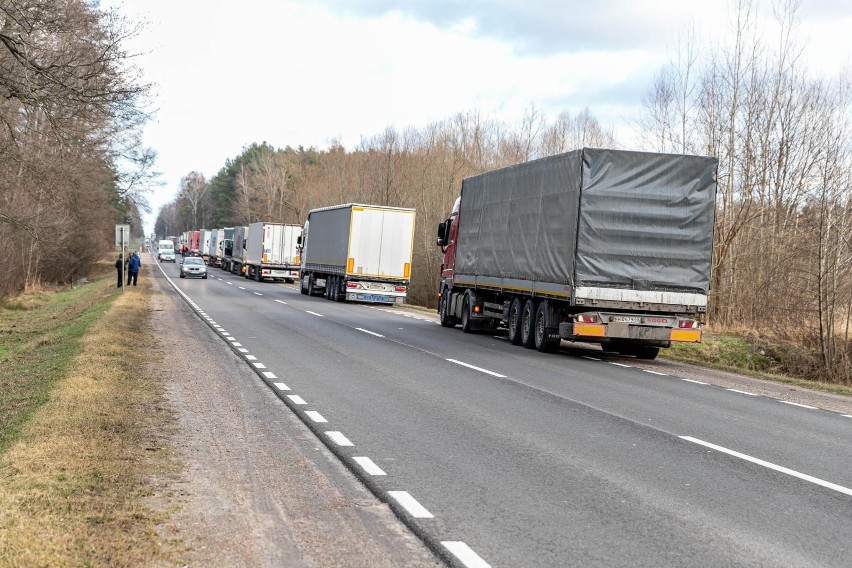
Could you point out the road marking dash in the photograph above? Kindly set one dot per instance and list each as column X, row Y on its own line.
column 257, row 293
column 797, row 404
column 230, row 283
column 619, row 364
column 296, row 399
column 694, row 381
column 370, row 332
column 339, row 438
column 465, row 554
column 742, row 392
column 250, row 357
column 655, row 372
column 282, row 302
column 242, row 350
column 475, row 368
column 315, row 416
column 368, row 465
column 269, row 375
column 314, row 314
column 282, row 386
column 259, row 365
column 235, row 342
column 411, row 505
column 772, row 466
column 240, row 287
column 590, row 358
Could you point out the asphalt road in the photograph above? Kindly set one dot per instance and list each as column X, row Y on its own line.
column 496, row 455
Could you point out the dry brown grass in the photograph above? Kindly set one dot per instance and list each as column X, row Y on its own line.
column 73, row 484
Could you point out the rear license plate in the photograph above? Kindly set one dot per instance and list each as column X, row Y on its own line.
column 624, row 319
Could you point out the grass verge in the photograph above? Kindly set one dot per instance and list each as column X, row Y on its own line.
column 759, row 358
column 78, row 458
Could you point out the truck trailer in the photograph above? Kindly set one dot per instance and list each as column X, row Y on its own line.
column 226, row 251
column 272, row 252
column 358, row 252
column 595, row 245
column 237, row 264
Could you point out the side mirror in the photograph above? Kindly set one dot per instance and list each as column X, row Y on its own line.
column 442, row 229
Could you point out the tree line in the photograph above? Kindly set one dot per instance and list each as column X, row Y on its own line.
column 71, row 165
column 782, row 259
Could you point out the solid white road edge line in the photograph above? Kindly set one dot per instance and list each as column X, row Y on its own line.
column 368, row 465
column 480, row 369
column 411, row 505
column 778, row 468
column 315, row 416
column 370, row 332
column 797, row 404
column 296, row 399
column 465, row 554
column 339, row 438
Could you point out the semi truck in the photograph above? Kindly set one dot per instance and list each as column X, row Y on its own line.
column 204, row 244
column 237, row 265
column 595, row 245
column 226, row 251
column 271, row 252
column 217, row 241
column 358, row 252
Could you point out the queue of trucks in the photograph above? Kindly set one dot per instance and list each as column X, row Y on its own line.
column 598, row 246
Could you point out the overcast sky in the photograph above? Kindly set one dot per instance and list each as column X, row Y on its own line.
column 306, row 72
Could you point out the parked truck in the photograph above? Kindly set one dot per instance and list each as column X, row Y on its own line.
column 358, row 252
column 227, row 249
column 214, row 257
column 204, row 244
column 595, row 245
column 272, row 252
column 238, row 257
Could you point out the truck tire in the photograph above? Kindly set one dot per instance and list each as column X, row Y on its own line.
column 528, row 324
column 466, row 323
column 542, row 342
column 302, row 287
column 310, row 285
column 646, row 352
column 515, row 314
column 443, row 309
column 257, row 274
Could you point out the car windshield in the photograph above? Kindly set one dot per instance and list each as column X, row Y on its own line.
column 193, row 260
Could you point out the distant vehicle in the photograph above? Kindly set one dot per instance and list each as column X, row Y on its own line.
column 272, row 252
column 166, row 251
column 358, row 252
column 600, row 246
column 193, row 266
column 238, row 256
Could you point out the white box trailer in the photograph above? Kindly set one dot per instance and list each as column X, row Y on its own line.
column 272, row 251
column 238, row 256
column 358, row 252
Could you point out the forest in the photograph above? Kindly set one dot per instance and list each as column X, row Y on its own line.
column 71, row 165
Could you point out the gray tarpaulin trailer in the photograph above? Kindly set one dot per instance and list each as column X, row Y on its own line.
column 604, row 245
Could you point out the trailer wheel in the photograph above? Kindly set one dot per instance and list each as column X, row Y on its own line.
column 302, row 287
column 310, row 285
column 515, row 314
column 528, row 324
column 466, row 324
column 339, row 291
column 443, row 308
column 646, row 352
column 542, row 343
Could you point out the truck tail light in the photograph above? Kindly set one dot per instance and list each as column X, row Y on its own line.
column 351, row 285
column 585, row 318
column 688, row 324
column 399, row 289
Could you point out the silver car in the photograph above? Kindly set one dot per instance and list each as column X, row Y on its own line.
column 193, row 266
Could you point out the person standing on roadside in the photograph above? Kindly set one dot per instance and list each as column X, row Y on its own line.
column 133, row 266
column 119, row 268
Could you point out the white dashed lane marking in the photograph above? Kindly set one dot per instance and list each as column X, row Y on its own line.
column 475, row 368
column 368, row 465
column 339, row 438
column 269, row 375
column 772, row 466
column 314, row 314
column 369, row 332
column 411, row 505
column 741, row 392
column 257, row 293
column 692, row 381
column 281, row 386
column 258, row 365
column 315, row 416
column 797, row 404
column 465, row 554
column 282, row 302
